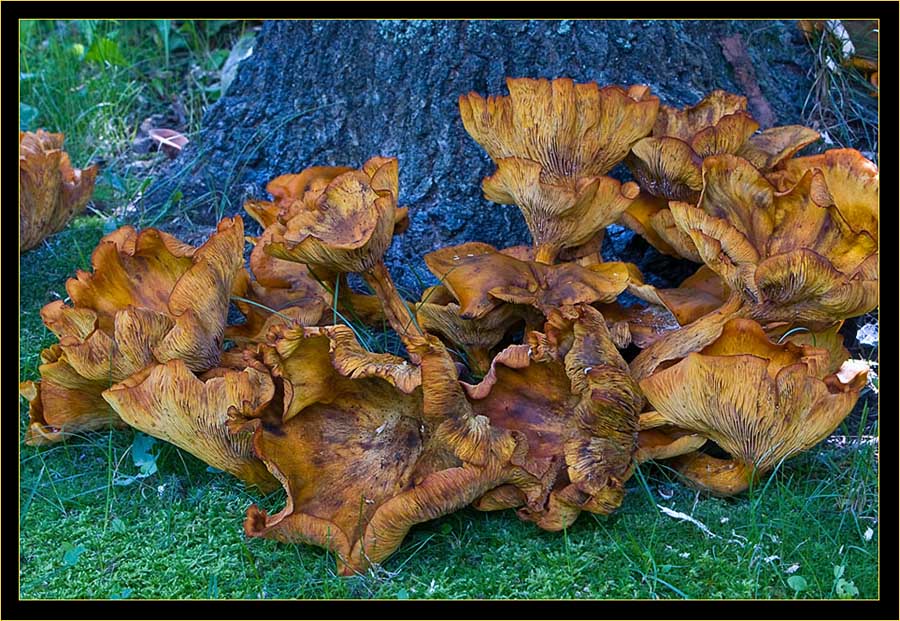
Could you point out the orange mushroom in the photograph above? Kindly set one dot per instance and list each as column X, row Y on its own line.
column 51, row 192
column 552, row 142
column 851, row 181
column 150, row 299
column 668, row 164
column 169, row 402
column 366, row 445
column 759, row 401
column 792, row 256
column 788, row 257
column 481, row 278
column 569, row 393
column 439, row 314
column 292, row 192
column 571, row 130
column 64, row 402
column 564, row 214
column 347, row 228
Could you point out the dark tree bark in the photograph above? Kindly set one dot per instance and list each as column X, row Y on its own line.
column 330, row 93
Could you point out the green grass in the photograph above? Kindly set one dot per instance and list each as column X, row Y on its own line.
column 840, row 104
column 177, row 533
column 97, row 80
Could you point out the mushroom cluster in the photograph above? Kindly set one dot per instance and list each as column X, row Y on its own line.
column 511, row 389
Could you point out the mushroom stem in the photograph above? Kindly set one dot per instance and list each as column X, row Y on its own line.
column 690, row 338
column 546, row 254
column 398, row 315
column 722, row 477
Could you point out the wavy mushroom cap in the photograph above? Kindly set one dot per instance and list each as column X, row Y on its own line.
column 687, row 122
column 668, row 164
column 362, row 453
column 349, row 226
column 292, row 192
column 279, row 292
column 569, row 394
column 64, row 402
column 792, row 256
column 481, row 278
column 759, row 401
column 669, row 167
column 851, row 181
column 167, row 401
column 51, row 191
column 150, row 297
column 571, row 130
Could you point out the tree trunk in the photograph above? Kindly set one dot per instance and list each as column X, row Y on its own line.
column 337, row 93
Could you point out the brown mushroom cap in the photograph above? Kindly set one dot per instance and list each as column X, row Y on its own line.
column 350, row 224
column 363, row 452
column 159, row 278
column 480, row 278
column 570, row 396
column 668, row 164
column 850, row 179
column 687, row 122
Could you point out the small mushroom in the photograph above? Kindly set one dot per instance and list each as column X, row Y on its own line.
column 169, row 141
column 51, row 191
